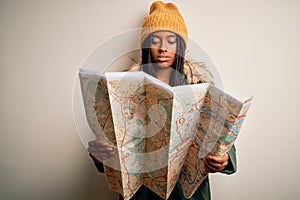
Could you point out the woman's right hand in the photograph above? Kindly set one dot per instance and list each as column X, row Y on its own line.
column 100, row 150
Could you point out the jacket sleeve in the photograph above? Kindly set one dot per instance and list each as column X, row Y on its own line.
column 97, row 163
column 232, row 166
column 99, row 166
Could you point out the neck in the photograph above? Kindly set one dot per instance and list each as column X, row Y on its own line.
column 163, row 73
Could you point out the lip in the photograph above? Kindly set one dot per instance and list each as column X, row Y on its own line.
column 163, row 58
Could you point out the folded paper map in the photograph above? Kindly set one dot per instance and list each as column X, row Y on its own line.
column 160, row 134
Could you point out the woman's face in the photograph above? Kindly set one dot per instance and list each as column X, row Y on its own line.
column 163, row 48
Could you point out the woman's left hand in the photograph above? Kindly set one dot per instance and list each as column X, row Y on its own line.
column 216, row 163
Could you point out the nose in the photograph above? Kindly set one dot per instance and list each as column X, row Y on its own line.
column 162, row 50
column 163, row 47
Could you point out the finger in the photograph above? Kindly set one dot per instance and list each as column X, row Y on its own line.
column 210, row 168
column 213, row 169
column 96, row 149
column 101, row 143
column 214, row 159
column 98, row 142
column 216, row 166
column 103, row 155
column 107, row 153
column 213, row 162
column 101, row 151
column 92, row 149
column 99, row 157
column 92, row 143
column 105, row 148
column 218, row 159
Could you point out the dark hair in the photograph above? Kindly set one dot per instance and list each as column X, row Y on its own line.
column 177, row 76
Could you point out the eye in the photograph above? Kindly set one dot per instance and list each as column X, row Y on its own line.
column 155, row 42
column 171, row 41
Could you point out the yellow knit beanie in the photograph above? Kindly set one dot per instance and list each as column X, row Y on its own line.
column 163, row 16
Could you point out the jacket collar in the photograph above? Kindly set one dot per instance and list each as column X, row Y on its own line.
column 194, row 71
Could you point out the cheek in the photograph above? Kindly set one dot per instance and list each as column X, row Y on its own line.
column 173, row 56
column 172, row 52
column 172, row 48
column 154, row 51
column 154, row 54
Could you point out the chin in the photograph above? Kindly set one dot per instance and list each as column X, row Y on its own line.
column 163, row 65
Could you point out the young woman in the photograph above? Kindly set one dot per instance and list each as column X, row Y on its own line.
column 163, row 42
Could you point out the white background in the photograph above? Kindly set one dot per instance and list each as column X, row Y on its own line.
column 254, row 44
